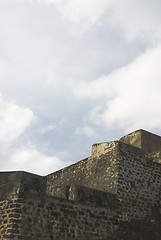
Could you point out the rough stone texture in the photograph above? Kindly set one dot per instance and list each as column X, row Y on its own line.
column 94, row 172
column 148, row 142
column 29, row 213
column 113, row 195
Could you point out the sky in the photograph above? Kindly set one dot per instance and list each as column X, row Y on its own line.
column 74, row 73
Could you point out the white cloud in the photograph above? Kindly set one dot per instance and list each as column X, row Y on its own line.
column 28, row 158
column 87, row 131
column 41, row 62
column 4, row 69
column 136, row 18
column 139, row 19
column 101, row 88
column 136, row 94
column 75, row 10
column 47, row 128
column 14, row 120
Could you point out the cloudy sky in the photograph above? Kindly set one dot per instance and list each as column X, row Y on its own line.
column 74, row 73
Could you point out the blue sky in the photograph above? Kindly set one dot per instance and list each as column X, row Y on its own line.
column 74, row 73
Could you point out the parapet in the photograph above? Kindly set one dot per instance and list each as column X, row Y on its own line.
column 21, row 184
column 100, row 149
column 150, row 143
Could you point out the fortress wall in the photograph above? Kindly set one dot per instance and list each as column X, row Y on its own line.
column 92, row 197
column 9, row 204
column 13, row 187
column 19, row 183
column 9, row 184
column 98, row 172
column 31, row 218
column 123, row 170
column 138, row 185
column 150, row 143
column 114, row 194
column 10, row 218
column 99, row 149
column 53, row 218
column 28, row 213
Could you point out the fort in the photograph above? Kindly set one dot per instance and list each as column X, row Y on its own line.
column 115, row 194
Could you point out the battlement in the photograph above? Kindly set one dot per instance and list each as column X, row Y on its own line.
column 118, row 185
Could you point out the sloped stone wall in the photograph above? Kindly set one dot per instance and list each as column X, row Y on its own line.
column 123, row 170
column 98, row 172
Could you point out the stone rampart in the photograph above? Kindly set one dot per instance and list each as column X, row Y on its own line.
column 113, row 195
column 97, row 172
column 29, row 213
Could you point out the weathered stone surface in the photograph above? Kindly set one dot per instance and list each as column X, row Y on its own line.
column 150, row 143
column 113, row 195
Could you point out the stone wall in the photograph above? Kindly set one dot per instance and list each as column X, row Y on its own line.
column 139, row 183
column 117, row 168
column 148, row 142
column 53, row 218
column 98, row 172
column 92, row 197
column 30, row 214
column 10, row 220
column 14, row 187
column 113, row 195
